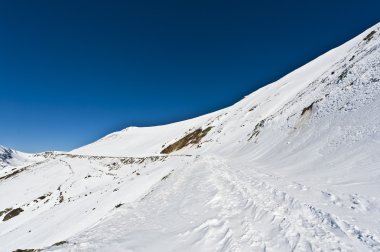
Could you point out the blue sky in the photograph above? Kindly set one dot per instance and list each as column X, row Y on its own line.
column 73, row 71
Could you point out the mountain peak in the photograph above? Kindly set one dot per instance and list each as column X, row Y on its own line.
column 5, row 153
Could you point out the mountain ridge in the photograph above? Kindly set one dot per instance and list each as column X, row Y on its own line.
column 307, row 73
column 294, row 166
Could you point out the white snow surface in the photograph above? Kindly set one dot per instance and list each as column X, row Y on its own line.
column 294, row 166
column 10, row 158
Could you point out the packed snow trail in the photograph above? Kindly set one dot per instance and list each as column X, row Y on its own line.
column 209, row 205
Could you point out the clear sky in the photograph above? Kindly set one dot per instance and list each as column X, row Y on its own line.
column 73, row 71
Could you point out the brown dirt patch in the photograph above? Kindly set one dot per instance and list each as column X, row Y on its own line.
column 192, row 138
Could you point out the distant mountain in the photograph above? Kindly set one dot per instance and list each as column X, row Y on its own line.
column 294, row 166
column 5, row 153
column 9, row 157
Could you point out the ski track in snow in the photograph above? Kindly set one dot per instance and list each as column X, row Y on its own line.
column 211, row 198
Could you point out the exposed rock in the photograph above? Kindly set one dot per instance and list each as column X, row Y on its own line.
column 27, row 250
column 192, row 138
column 119, row 205
column 13, row 213
column 369, row 36
column 308, row 108
column 5, row 154
column 256, row 130
column 60, row 243
column 6, row 210
column 12, row 174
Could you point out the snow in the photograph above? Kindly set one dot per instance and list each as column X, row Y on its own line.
column 294, row 166
column 10, row 158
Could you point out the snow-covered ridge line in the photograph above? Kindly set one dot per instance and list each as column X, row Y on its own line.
column 98, row 157
column 149, row 140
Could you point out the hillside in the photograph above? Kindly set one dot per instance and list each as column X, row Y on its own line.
column 294, row 166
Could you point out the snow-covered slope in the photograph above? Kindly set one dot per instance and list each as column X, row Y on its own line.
column 5, row 155
column 11, row 158
column 294, row 166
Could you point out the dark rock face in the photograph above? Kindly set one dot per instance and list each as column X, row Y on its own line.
column 13, row 213
column 369, row 36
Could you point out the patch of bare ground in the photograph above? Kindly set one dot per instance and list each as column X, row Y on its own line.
column 39, row 250
column 12, row 174
column 306, row 109
column 60, row 243
column 256, row 130
column 369, row 36
column 192, row 138
column 13, row 213
column 6, row 210
column 27, row 250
